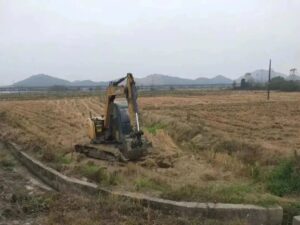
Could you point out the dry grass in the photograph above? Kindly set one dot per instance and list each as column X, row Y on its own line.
column 203, row 140
column 76, row 210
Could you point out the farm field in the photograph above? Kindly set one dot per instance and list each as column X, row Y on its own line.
column 219, row 146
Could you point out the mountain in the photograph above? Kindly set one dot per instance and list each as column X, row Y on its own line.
column 83, row 83
column 220, row 80
column 262, row 76
column 215, row 80
column 159, row 79
column 42, row 80
column 88, row 83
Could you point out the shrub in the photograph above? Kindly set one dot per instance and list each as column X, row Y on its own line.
column 60, row 158
column 6, row 163
column 99, row 174
column 289, row 211
column 256, row 172
column 279, row 83
column 284, row 178
column 93, row 172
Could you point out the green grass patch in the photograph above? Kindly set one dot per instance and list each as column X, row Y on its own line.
column 284, row 178
column 152, row 129
column 99, row 174
column 62, row 159
column 6, row 163
column 234, row 193
column 150, row 184
column 33, row 204
column 28, row 203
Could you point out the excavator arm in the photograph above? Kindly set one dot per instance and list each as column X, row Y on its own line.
column 130, row 92
column 131, row 96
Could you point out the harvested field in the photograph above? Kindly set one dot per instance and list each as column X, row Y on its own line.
column 207, row 146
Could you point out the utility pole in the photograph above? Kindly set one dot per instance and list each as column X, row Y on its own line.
column 293, row 74
column 269, row 80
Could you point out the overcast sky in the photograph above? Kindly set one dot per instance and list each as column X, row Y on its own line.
column 103, row 40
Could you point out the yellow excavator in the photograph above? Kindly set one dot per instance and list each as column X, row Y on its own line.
column 117, row 135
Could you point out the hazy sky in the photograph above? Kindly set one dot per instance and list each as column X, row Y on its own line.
column 102, row 40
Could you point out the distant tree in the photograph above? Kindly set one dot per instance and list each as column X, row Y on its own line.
column 172, row 88
column 152, row 88
column 234, row 85
column 276, row 83
column 243, row 83
column 279, row 83
column 290, row 86
column 58, row 88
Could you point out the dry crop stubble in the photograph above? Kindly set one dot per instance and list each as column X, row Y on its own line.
column 213, row 138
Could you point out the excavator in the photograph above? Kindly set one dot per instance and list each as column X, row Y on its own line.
column 117, row 135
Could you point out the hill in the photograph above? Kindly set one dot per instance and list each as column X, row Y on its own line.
column 160, row 79
column 88, row 83
column 42, row 80
column 215, row 80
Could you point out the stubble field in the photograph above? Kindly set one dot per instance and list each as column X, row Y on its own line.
column 220, row 146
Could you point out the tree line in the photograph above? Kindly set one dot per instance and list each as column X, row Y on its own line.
column 276, row 83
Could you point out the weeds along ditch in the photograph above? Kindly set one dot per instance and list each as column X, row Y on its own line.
column 19, row 205
column 268, row 185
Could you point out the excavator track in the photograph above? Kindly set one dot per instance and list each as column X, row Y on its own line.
column 114, row 151
column 101, row 151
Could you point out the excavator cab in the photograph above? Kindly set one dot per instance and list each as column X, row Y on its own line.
column 95, row 127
